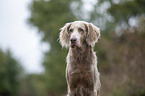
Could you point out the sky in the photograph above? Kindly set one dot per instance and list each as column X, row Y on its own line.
column 17, row 35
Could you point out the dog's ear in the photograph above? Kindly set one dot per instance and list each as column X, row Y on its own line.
column 64, row 36
column 93, row 34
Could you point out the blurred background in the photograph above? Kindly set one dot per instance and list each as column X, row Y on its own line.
column 32, row 62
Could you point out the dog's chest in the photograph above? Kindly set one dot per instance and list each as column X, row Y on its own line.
column 81, row 73
column 79, row 78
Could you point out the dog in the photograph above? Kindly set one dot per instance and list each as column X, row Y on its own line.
column 82, row 74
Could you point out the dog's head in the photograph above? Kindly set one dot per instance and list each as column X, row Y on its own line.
column 77, row 33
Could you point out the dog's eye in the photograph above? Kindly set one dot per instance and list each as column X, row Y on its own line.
column 70, row 30
column 81, row 30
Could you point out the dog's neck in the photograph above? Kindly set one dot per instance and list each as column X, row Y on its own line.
column 81, row 50
column 82, row 54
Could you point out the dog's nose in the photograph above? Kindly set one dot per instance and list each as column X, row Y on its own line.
column 73, row 40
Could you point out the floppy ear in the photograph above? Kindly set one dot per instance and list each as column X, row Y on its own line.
column 64, row 36
column 93, row 34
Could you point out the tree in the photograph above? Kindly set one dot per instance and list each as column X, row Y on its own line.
column 125, row 10
column 10, row 74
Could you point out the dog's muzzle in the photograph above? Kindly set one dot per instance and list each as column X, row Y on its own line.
column 73, row 42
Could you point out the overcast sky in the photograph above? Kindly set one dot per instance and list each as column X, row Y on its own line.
column 16, row 35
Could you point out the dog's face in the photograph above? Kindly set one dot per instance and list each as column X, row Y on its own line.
column 77, row 33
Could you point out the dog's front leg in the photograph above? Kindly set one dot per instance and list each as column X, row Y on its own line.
column 97, row 83
column 67, row 80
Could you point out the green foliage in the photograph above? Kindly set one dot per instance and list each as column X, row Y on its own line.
column 10, row 74
column 123, row 11
column 33, row 85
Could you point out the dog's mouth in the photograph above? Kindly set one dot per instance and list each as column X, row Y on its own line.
column 73, row 45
